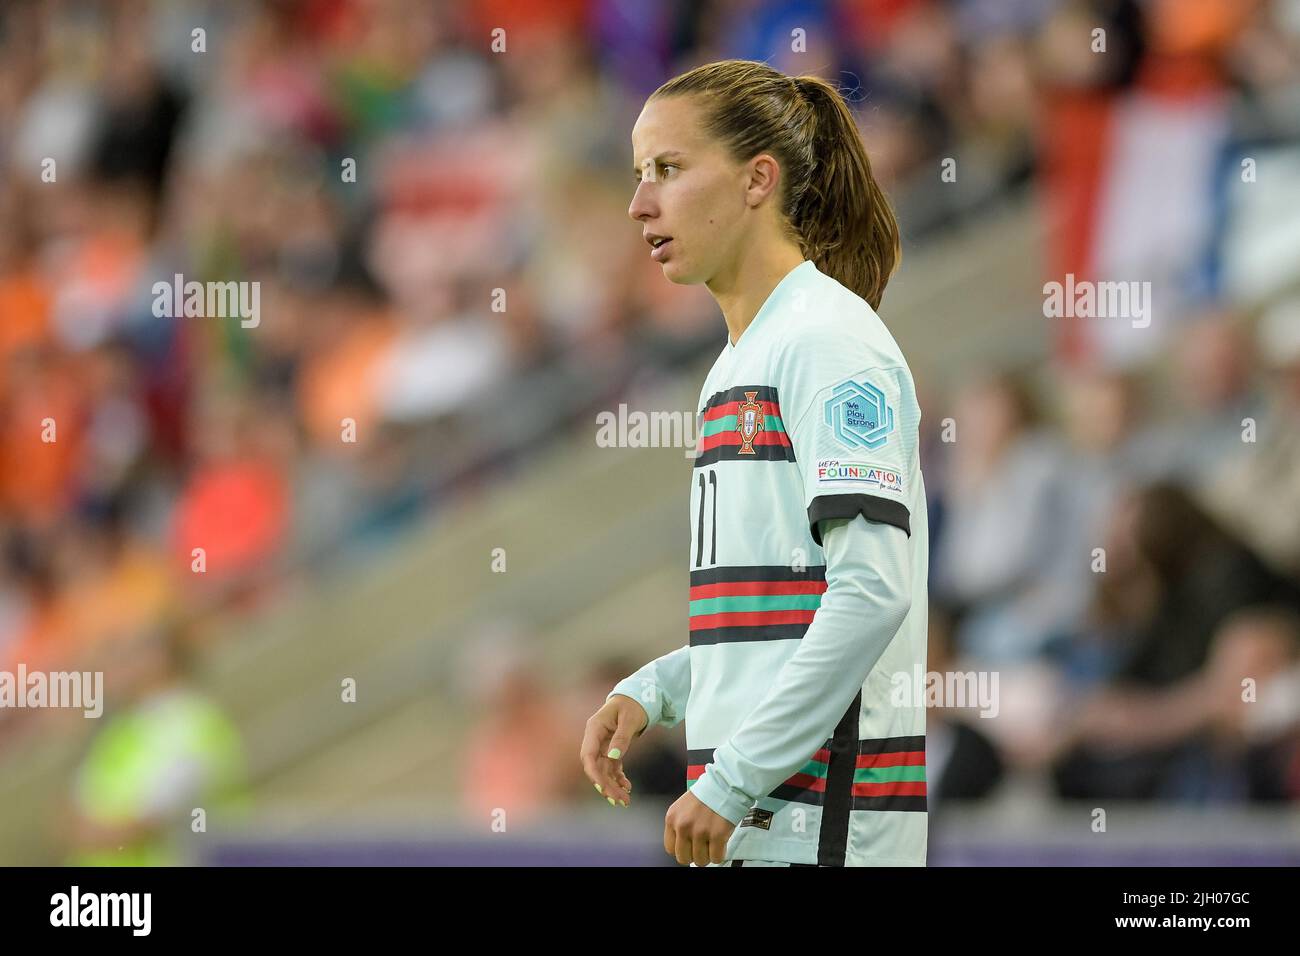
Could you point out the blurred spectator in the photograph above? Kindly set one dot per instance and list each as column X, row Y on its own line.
column 40, row 436
column 961, row 762
column 1257, row 489
column 234, row 511
column 1002, row 510
column 165, row 749
column 519, row 758
column 1111, row 438
column 1230, row 743
column 1254, row 673
column 1172, row 579
column 1215, row 391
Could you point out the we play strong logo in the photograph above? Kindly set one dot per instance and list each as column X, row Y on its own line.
column 859, row 415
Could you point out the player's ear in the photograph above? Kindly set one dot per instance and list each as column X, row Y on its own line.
column 762, row 175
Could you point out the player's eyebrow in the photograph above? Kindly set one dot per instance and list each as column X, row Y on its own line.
column 669, row 154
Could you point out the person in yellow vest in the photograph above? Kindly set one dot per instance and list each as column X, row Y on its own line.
column 166, row 750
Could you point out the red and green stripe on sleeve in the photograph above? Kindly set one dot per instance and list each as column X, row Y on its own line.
column 889, row 774
column 765, row 603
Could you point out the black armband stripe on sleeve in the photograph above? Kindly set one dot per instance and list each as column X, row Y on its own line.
column 883, row 510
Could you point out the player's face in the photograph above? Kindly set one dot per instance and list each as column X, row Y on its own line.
column 688, row 189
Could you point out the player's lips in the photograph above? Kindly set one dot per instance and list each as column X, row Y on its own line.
column 659, row 244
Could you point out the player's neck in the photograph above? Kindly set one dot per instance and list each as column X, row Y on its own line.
column 741, row 290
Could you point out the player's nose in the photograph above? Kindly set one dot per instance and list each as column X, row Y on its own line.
column 642, row 205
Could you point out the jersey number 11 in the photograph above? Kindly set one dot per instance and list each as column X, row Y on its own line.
column 699, row 531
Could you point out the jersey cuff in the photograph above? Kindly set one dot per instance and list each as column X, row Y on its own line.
column 634, row 687
column 726, row 803
column 882, row 510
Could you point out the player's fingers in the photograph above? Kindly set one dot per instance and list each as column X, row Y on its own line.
column 717, row 851
column 618, row 787
column 700, row 845
column 593, row 738
column 598, row 768
column 623, row 783
column 684, row 852
column 622, row 738
column 676, row 841
column 611, row 781
column 613, row 788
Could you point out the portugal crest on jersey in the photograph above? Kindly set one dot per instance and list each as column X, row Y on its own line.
column 749, row 422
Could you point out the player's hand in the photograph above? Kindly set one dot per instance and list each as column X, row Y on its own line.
column 694, row 833
column 610, row 731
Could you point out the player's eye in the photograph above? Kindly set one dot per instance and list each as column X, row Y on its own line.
column 662, row 170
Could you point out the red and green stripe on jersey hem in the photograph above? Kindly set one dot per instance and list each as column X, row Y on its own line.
column 757, row 603
column 720, row 438
column 889, row 774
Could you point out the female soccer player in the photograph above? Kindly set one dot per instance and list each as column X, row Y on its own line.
column 808, row 554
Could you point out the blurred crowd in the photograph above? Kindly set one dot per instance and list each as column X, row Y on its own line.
column 1132, row 572
column 435, row 211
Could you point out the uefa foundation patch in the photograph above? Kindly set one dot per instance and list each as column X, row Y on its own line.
column 886, row 479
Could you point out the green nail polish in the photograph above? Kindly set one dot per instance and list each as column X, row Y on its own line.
column 614, row 754
column 598, row 790
column 611, row 800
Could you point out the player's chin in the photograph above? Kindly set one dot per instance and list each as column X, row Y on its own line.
column 680, row 274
